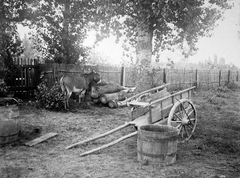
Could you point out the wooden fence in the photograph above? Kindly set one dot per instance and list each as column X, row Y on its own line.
column 25, row 85
column 178, row 78
column 205, row 79
column 120, row 75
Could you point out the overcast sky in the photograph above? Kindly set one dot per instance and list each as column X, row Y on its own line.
column 225, row 41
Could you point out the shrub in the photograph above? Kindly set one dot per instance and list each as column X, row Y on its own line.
column 4, row 89
column 13, row 71
column 51, row 99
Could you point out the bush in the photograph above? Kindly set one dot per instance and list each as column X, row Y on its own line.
column 4, row 89
column 13, row 71
column 51, row 99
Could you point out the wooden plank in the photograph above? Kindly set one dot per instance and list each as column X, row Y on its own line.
column 137, row 112
column 142, row 120
column 138, row 103
column 147, row 91
column 161, row 114
column 173, row 95
column 157, row 115
column 150, row 98
column 41, row 139
column 158, row 95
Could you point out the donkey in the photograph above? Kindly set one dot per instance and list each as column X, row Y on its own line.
column 77, row 84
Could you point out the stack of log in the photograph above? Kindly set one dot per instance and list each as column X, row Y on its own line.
column 109, row 93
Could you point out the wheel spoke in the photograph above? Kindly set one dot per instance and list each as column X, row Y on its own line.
column 177, row 116
column 189, row 126
column 183, row 117
column 184, row 110
column 178, row 112
column 192, row 121
column 179, row 127
column 184, row 127
column 189, row 114
column 176, row 123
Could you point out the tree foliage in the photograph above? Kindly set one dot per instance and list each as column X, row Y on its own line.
column 169, row 23
column 61, row 26
column 29, row 51
column 11, row 13
column 153, row 25
column 149, row 25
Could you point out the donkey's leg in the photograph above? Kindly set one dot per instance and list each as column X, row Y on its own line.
column 65, row 100
column 68, row 96
column 81, row 96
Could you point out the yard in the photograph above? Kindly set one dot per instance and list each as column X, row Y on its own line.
column 213, row 151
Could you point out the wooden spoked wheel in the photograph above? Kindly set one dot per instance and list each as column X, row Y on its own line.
column 183, row 115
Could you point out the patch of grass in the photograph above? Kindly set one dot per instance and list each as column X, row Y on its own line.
column 219, row 125
column 218, row 101
column 222, row 89
column 231, row 126
column 220, row 135
column 233, row 86
column 222, row 145
column 223, row 95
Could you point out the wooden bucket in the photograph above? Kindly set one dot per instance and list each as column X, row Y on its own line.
column 9, row 112
column 157, row 144
column 9, row 131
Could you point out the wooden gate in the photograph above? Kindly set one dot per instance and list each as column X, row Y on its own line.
column 26, row 83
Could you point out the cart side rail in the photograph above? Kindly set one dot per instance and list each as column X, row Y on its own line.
column 147, row 91
column 180, row 93
column 159, row 109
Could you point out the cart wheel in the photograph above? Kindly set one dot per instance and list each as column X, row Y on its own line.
column 183, row 115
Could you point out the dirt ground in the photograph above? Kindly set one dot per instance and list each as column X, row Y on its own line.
column 213, row 151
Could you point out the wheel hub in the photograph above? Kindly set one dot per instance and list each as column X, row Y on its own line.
column 185, row 121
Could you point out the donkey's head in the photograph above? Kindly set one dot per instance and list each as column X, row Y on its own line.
column 95, row 76
column 92, row 77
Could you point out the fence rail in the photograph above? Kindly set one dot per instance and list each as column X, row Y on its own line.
column 27, row 82
column 127, row 76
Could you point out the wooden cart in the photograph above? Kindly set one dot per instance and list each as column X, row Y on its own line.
column 155, row 106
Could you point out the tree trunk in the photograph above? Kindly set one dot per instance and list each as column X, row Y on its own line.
column 65, row 35
column 119, row 96
column 144, row 47
column 144, row 57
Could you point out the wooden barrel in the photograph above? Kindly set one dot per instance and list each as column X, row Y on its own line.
column 9, row 112
column 157, row 144
column 9, row 131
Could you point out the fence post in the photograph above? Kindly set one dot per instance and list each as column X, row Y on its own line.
column 53, row 74
column 220, row 76
column 237, row 77
column 196, row 78
column 123, row 78
column 229, row 73
column 164, row 76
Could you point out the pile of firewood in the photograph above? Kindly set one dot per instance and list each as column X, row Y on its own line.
column 109, row 93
